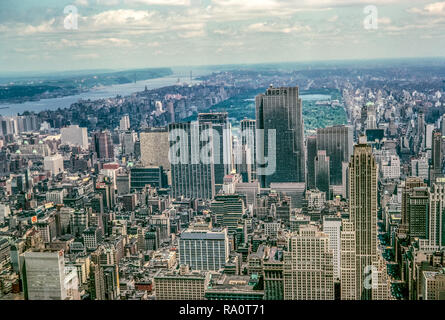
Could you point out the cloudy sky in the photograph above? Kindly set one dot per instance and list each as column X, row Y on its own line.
column 39, row 35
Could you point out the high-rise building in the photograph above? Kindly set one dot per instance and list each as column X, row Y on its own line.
column 74, row 135
column 273, row 274
column 332, row 227
column 103, row 145
column 45, row 276
column 155, row 147
column 124, row 123
column 347, row 261
column 363, row 215
column 311, row 146
column 229, row 210
column 128, row 140
column 322, row 172
column 417, row 203
column 436, row 219
column 204, row 249
column 192, row 175
column 419, row 167
column 436, row 156
column 407, row 187
column 181, row 285
column 248, row 144
column 308, row 266
column 280, row 109
column 140, row 177
column 433, row 285
column 338, row 143
column 222, row 144
column 53, row 164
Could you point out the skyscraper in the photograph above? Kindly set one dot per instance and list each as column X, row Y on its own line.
column 436, row 156
column 248, row 144
column 338, row 143
column 154, row 147
column 222, row 147
column 280, row 109
column 192, row 176
column 407, row 187
column 74, row 135
column 322, row 170
column 363, row 215
column 436, row 219
column 45, row 276
column 229, row 210
column 311, row 146
column 332, row 227
column 103, row 145
column 124, row 123
column 308, row 266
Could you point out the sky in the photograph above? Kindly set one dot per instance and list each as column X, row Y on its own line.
column 121, row 34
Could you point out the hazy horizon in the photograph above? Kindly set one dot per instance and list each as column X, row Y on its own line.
column 129, row 34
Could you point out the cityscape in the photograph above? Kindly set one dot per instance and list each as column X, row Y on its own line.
column 248, row 179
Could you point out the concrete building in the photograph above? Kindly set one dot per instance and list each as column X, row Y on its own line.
column 308, row 266
column 204, row 249
column 45, row 277
column 53, row 164
column 75, row 136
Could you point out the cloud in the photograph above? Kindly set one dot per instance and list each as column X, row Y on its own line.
column 276, row 28
column 108, row 2
column 28, row 29
column 82, row 3
column 384, row 20
column 432, row 9
column 160, row 2
column 333, row 19
column 84, row 56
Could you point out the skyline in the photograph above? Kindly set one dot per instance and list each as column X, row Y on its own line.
column 115, row 34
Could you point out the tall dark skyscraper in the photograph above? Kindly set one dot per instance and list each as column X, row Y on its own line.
column 408, row 187
column 436, row 156
column 338, row 143
column 103, row 145
column 280, row 109
column 311, row 146
column 322, row 172
column 191, row 176
column 222, row 146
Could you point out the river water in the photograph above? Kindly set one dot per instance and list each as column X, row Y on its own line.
column 11, row 109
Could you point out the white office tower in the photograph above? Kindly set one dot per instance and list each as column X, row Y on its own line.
column 75, row 136
column 4, row 212
column 308, row 267
column 45, row 276
column 124, row 123
column 332, row 227
column 204, row 249
column 390, row 167
column 54, row 164
column 429, row 135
